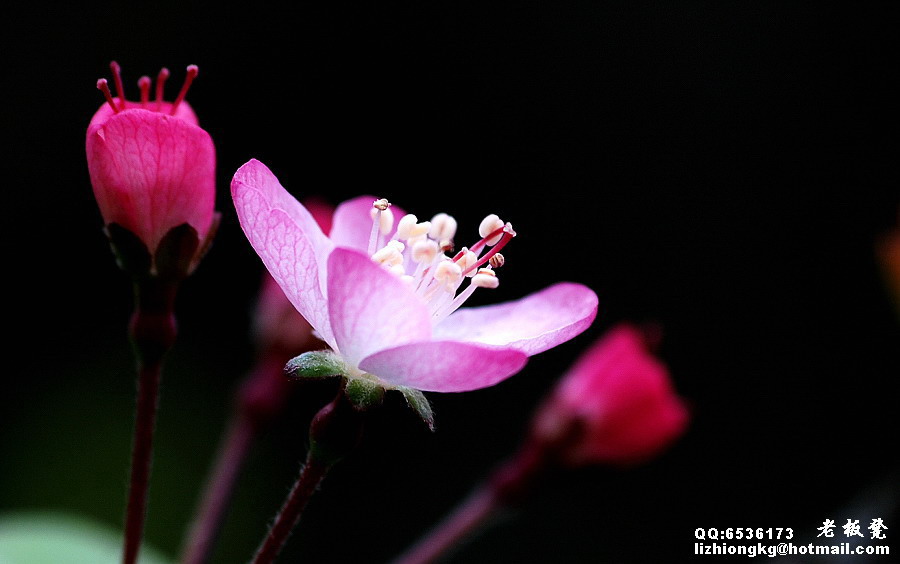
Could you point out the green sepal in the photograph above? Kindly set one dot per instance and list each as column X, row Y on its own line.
column 131, row 253
column 419, row 403
column 176, row 251
column 315, row 364
column 363, row 393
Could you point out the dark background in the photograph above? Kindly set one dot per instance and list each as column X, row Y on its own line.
column 724, row 169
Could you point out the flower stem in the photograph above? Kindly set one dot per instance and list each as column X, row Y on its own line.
column 141, row 455
column 509, row 485
column 456, row 526
column 153, row 334
column 311, row 475
column 219, row 490
column 260, row 399
column 334, row 433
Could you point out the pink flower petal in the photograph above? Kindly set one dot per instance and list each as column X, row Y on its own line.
column 370, row 308
column 183, row 112
column 445, row 366
column 287, row 239
column 532, row 324
column 152, row 172
column 352, row 224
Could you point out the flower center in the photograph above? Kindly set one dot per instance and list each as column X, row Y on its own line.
column 416, row 254
column 144, row 84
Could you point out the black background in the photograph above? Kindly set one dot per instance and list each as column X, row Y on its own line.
column 724, row 169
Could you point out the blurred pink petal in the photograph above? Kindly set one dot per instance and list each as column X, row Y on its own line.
column 615, row 405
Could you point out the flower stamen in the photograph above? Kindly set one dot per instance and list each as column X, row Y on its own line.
column 192, row 71
column 160, row 83
column 506, row 234
column 103, row 86
column 485, row 278
column 382, row 223
column 120, row 88
column 415, row 254
column 144, row 85
column 490, row 225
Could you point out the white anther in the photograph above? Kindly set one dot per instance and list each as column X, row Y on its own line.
column 443, row 227
column 408, row 280
column 424, row 250
column 448, row 273
column 397, row 245
column 397, row 270
column 388, row 256
column 410, row 228
column 486, row 278
column 488, row 225
column 497, row 260
column 386, row 221
column 420, row 229
column 405, row 225
column 381, row 204
column 467, row 259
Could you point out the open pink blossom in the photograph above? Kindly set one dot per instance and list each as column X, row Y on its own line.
column 384, row 296
column 615, row 405
column 152, row 167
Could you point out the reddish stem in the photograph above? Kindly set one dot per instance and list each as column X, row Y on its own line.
column 141, row 456
column 260, row 399
column 509, row 484
column 459, row 524
column 219, row 490
column 334, row 433
column 311, row 475
column 153, row 334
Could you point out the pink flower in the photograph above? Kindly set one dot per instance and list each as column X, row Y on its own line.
column 615, row 405
column 152, row 167
column 383, row 295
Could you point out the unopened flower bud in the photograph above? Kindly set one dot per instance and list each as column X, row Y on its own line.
column 615, row 405
column 151, row 165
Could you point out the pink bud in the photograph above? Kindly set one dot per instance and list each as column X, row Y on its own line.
column 615, row 405
column 152, row 167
